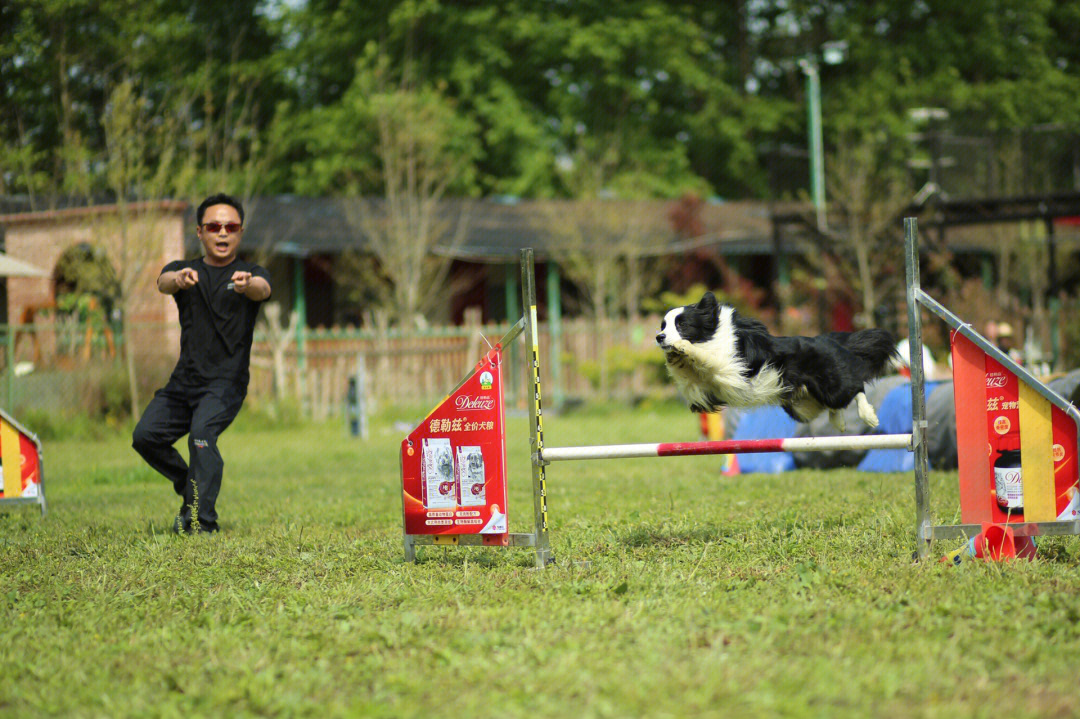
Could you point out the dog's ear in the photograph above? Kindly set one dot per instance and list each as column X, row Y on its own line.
column 708, row 302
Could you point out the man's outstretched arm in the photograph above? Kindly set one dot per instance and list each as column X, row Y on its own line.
column 251, row 286
column 169, row 283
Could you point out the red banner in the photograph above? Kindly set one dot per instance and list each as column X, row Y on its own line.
column 453, row 466
column 1003, row 425
column 29, row 471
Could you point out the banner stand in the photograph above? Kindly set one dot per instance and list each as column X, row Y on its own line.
column 453, row 465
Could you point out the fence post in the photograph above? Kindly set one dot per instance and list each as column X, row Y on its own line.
column 356, row 409
column 554, row 299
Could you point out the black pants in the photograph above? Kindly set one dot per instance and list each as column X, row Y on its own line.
column 202, row 413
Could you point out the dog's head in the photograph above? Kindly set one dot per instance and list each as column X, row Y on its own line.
column 693, row 323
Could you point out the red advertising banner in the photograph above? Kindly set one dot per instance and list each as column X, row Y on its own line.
column 1003, row 432
column 453, row 466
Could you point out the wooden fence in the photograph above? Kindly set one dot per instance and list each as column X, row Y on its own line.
column 618, row 360
column 56, row 368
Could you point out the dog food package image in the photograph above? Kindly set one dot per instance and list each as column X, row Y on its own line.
column 470, row 467
column 453, row 464
column 440, row 483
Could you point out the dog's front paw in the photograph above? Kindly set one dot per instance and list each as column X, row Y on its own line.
column 681, row 346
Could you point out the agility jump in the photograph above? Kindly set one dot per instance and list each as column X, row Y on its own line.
column 453, row 466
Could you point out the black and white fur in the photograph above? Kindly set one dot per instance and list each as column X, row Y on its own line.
column 718, row 358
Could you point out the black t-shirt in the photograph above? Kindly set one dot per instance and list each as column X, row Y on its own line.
column 216, row 324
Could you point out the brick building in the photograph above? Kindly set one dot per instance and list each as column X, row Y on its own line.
column 137, row 238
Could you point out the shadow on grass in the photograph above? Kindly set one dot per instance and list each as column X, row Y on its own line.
column 667, row 536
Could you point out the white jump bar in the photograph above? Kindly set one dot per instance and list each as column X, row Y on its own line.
column 728, row 446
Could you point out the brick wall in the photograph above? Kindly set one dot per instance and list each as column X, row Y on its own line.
column 154, row 236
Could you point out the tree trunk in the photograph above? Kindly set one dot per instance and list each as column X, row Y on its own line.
column 866, row 278
column 129, row 361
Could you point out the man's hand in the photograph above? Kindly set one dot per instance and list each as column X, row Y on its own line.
column 186, row 278
column 254, row 288
column 241, row 281
column 171, row 282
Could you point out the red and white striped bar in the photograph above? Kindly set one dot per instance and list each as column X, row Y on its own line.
column 728, row 446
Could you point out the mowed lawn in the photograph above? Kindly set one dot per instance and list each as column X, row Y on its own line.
column 705, row 595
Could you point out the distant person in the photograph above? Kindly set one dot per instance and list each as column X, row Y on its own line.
column 1006, row 342
column 218, row 297
column 903, row 361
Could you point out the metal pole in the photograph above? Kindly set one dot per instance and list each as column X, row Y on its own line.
column 536, row 433
column 918, row 394
column 9, row 343
column 1053, row 304
column 512, row 313
column 817, row 146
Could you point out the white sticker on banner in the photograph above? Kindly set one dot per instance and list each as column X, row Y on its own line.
column 497, row 523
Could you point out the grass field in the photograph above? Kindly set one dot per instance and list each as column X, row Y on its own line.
column 706, row 595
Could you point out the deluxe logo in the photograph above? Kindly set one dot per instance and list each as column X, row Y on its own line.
column 996, row 380
column 465, row 402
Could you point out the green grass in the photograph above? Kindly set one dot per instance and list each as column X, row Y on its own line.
column 706, row 595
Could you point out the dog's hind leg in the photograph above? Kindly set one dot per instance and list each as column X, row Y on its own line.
column 866, row 410
column 836, row 417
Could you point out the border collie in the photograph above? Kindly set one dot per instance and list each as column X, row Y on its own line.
column 718, row 358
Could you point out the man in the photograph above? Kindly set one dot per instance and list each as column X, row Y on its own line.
column 218, row 297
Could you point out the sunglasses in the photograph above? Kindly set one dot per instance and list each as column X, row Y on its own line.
column 215, row 227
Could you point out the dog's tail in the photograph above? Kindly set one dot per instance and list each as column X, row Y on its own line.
column 876, row 347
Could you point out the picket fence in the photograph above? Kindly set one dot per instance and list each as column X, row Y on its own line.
column 80, row 368
column 614, row 359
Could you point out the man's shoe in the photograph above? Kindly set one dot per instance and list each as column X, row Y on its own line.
column 180, row 526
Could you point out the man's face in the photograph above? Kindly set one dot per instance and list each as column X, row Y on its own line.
column 221, row 245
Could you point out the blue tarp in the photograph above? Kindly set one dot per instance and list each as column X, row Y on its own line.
column 894, row 416
column 765, row 423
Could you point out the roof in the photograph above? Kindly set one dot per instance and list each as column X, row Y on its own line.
column 11, row 267
column 492, row 230
column 495, row 231
column 68, row 213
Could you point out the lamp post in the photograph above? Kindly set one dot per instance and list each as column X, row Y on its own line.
column 832, row 53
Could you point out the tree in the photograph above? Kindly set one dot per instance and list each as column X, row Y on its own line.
column 423, row 150
column 869, row 194
column 601, row 245
column 143, row 165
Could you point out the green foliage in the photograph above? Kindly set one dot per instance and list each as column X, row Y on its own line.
column 668, row 96
column 621, row 362
column 64, row 426
column 669, row 299
column 790, row 595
